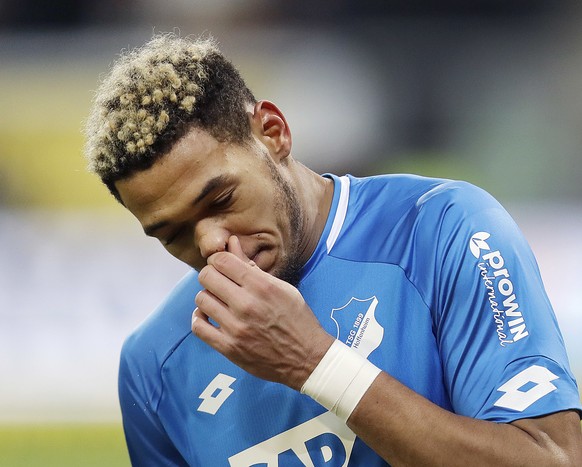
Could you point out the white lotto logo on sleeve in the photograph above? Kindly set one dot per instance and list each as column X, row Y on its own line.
column 508, row 318
column 526, row 387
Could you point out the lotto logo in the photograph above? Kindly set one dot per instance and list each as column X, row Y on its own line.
column 216, row 393
column 526, row 387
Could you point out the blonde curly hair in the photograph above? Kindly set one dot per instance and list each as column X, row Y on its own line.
column 153, row 95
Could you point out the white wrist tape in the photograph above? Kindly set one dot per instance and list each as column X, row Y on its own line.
column 340, row 380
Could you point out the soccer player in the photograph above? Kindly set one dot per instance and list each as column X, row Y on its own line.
column 327, row 320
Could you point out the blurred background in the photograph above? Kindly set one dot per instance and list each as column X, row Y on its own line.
column 485, row 91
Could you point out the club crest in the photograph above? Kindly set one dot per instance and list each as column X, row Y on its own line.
column 357, row 326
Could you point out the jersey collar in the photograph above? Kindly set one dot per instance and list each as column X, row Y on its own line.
column 334, row 223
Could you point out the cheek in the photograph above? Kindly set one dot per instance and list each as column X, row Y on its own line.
column 188, row 254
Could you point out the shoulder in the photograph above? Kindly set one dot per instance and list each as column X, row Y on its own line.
column 150, row 344
column 462, row 196
column 401, row 203
column 415, row 223
column 405, row 192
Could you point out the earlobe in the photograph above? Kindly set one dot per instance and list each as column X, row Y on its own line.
column 269, row 125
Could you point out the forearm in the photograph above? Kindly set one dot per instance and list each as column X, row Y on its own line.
column 404, row 428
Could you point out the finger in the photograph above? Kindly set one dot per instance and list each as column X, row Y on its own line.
column 205, row 331
column 199, row 315
column 231, row 266
column 218, row 284
column 210, row 306
column 235, row 248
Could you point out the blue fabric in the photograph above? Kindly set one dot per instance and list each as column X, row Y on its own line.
column 430, row 279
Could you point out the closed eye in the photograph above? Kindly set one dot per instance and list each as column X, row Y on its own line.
column 172, row 237
column 223, row 201
column 169, row 240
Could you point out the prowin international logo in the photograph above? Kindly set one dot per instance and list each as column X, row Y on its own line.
column 478, row 243
column 509, row 321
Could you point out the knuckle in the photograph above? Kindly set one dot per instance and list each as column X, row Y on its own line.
column 241, row 332
column 207, row 275
column 245, row 307
column 269, row 288
column 230, row 347
column 220, row 260
column 265, row 287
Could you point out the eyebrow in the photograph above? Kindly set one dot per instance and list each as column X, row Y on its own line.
column 210, row 186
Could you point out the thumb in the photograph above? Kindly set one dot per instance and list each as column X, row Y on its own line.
column 235, row 248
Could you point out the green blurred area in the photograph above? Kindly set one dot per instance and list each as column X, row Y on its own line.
column 64, row 445
column 41, row 140
column 513, row 142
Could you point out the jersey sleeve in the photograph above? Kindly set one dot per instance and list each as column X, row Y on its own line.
column 147, row 441
column 502, row 352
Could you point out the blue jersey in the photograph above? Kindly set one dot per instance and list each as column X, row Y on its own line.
column 430, row 279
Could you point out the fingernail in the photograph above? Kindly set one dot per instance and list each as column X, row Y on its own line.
column 194, row 318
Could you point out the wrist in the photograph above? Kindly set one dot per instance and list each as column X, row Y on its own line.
column 340, row 380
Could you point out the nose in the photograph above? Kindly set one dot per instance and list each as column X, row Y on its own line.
column 211, row 237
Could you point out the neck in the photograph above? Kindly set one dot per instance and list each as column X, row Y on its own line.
column 315, row 194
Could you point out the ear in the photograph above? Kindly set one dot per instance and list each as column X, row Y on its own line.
column 269, row 125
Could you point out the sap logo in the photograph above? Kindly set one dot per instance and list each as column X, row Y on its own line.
column 321, row 441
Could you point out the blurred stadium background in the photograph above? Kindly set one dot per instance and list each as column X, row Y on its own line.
column 486, row 91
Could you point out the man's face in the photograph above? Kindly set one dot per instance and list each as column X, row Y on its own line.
column 202, row 191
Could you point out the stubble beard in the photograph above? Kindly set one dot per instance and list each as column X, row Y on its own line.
column 288, row 203
column 290, row 270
